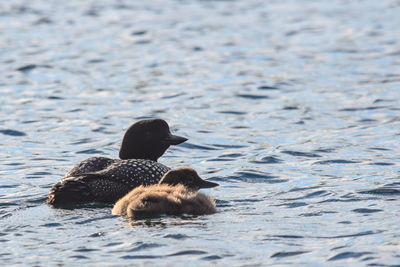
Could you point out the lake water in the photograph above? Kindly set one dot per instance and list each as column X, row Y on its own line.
column 291, row 106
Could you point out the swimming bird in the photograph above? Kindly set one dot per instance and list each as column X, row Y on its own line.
column 176, row 193
column 101, row 179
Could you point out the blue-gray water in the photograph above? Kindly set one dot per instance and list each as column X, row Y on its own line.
column 292, row 106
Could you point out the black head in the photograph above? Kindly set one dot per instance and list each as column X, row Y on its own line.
column 187, row 177
column 147, row 139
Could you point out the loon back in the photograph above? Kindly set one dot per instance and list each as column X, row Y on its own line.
column 93, row 164
column 107, row 185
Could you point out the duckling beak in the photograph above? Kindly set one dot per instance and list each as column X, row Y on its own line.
column 174, row 139
column 207, row 184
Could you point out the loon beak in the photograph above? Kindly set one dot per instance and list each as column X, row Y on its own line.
column 207, row 184
column 174, row 139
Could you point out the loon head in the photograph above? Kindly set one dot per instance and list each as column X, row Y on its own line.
column 148, row 139
column 187, row 177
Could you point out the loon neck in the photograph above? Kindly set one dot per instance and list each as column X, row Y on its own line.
column 142, row 152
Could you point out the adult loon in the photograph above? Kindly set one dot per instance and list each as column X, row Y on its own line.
column 100, row 179
column 176, row 193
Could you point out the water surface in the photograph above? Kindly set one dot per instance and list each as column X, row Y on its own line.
column 291, row 106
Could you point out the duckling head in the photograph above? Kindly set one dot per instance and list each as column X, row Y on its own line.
column 187, row 177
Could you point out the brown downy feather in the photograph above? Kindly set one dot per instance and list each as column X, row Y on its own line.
column 164, row 199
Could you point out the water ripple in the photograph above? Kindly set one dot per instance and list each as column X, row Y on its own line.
column 12, row 132
column 284, row 254
column 252, row 96
column 232, row 112
column 211, row 258
column 382, row 163
column 295, row 115
column 144, row 246
column 347, row 255
column 366, row 210
column 301, row 154
column 176, row 236
column 336, row 161
column 255, row 176
column 187, row 252
column 382, row 191
column 363, row 233
column 138, row 257
column 267, row 160
column 199, row 147
column 267, row 87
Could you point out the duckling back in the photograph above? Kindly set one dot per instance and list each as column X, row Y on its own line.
column 164, row 199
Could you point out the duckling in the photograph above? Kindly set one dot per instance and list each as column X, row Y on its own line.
column 176, row 193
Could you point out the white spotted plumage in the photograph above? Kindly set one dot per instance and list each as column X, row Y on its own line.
column 119, row 177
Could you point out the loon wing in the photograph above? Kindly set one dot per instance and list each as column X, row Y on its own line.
column 69, row 191
column 90, row 165
column 90, row 187
column 108, row 184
